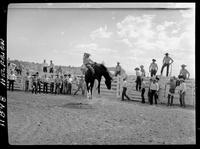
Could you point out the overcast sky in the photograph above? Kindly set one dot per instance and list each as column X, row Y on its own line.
column 133, row 37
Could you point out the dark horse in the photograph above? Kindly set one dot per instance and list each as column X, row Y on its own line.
column 100, row 70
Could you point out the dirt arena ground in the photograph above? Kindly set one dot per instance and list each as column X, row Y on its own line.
column 60, row 119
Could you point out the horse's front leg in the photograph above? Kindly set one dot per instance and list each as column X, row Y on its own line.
column 91, row 87
column 99, row 83
column 88, row 90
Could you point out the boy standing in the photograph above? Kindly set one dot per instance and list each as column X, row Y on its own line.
column 124, row 85
column 172, row 88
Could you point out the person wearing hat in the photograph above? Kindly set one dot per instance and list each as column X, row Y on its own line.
column 87, row 62
column 166, row 62
column 26, row 80
column 153, row 68
column 124, row 86
column 138, row 79
column 118, row 69
column 142, row 71
column 45, row 65
column 45, row 84
column 154, row 87
column 39, row 82
column 51, row 81
column 184, row 72
column 57, row 84
column 182, row 91
column 11, row 79
column 143, row 85
column 65, row 82
column 80, row 84
column 69, row 84
column 34, row 83
column 51, row 67
column 172, row 87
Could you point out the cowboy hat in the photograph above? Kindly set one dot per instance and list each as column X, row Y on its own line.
column 118, row 62
column 142, row 66
column 166, row 53
column 153, row 60
column 183, row 65
column 87, row 54
column 137, row 68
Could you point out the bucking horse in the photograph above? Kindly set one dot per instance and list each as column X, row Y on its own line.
column 99, row 71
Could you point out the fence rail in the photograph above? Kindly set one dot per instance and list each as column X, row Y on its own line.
column 116, row 89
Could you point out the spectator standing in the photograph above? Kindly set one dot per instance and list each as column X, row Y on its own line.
column 51, row 80
column 149, row 91
column 11, row 80
column 39, row 82
column 57, row 84
column 142, row 71
column 61, row 84
column 153, row 68
column 69, row 85
column 154, row 87
column 26, row 79
column 65, row 82
column 118, row 69
column 124, row 85
column 80, row 84
column 143, row 85
column 166, row 63
column 182, row 91
column 45, row 65
column 51, row 67
column 172, row 87
column 184, row 73
column 34, row 83
column 138, row 79
column 45, row 84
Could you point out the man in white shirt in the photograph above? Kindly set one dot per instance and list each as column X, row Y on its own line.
column 153, row 68
column 138, row 79
column 118, row 69
column 184, row 72
column 11, row 79
column 124, row 85
column 45, row 65
column 154, row 87
column 166, row 62
column 142, row 71
column 182, row 90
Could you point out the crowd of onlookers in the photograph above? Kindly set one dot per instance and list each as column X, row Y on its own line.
column 153, row 85
column 54, row 81
column 50, row 80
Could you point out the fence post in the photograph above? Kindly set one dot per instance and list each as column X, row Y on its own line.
column 118, row 86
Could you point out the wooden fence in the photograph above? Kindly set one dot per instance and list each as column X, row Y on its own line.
column 116, row 89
